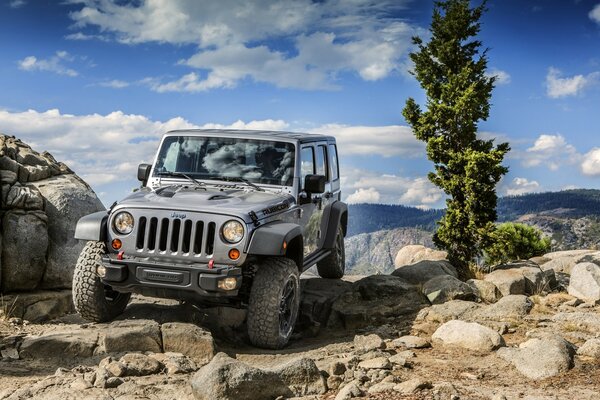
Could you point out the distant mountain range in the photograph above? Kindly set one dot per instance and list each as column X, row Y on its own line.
column 376, row 232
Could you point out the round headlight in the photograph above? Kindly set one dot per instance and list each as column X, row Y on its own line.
column 232, row 231
column 123, row 223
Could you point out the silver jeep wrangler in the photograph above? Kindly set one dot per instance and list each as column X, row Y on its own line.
column 223, row 217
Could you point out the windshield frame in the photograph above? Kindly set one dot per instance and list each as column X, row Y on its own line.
column 155, row 180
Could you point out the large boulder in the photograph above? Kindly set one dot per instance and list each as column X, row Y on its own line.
column 225, row 378
column 189, row 340
column 443, row 288
column 508, row 308
column 412, row 254
column 68, row 198
column 41, row 201
column 540, row 358
column 58, row 345
column 585, row 281
column 484, row 290
column 133, row 335
column 24, row 248
column 508, row 281
column 422, row 271
column 468, row 335
column 375, row 298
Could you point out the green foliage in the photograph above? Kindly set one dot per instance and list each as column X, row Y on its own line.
column 512, row 241
column 452, row 71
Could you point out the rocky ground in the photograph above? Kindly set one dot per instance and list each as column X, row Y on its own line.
column 416, row 334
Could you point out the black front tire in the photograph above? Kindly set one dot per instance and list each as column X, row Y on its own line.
column 334, row 265
column 274, row 303
column 93, row 300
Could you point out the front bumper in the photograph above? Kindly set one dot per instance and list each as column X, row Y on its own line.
column 135, row 275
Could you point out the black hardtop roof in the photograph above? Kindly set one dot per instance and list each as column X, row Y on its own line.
column 295, row 136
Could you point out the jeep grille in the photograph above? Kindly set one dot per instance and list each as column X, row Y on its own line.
column 176, row 236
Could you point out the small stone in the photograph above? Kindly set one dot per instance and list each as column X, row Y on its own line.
column 406, row 354
column 573, row 303
column 80, row 384
column 468, row 335
column 10, row 353
column 412, row 342
column 412, row 386
column 113, row 382
column 381, row 387
column 351, row 390
column 136, row 364
column 368, row 342
column 337, row 368
column 376, row 363
column 334, row 382
column 398, row 360
column 590, row 348
column 115, row 368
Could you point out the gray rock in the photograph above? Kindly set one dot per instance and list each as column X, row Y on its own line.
column 374, row 299
column 133, row 335
column 414, row 253
column 188, row 339
column 68, row 198
column 412, row 342
column 23, row 197
column 413, row 385
column 540, row 358
column 567, row 253
column 24, row 247
column 508, row 281
column 41, row 305
column 399, row 359
column 137, row 364
column 225, row 378
column 302, row 377
column 578, row 321
column 508, row 308
column 368, row 342
column 585, row 281
column 423, row 271
column 468, row 335
column 591, row 348
column 337, row 368
column 113, row 382
column 350, row 391
column 382, row 387
column 455, row 309
column 560, row 265
column 375, row 363
column 59, row 345
column 484, row 290
column 443, row 288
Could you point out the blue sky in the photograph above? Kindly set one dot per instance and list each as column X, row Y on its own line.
column 96, row 82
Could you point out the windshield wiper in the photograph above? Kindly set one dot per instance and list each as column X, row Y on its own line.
column 189, row 178
column 240, row 179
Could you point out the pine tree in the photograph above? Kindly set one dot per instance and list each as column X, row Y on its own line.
column 451, row 68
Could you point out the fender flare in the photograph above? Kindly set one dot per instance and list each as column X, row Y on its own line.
column 334, row 215
column 92, row 227
column 269, row 239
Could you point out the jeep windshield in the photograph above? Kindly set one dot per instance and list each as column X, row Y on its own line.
column 227, row 159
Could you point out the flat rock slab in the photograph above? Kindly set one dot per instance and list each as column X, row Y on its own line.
column 189, row 340
column 588, row 322
column 508, row 308
column 540, row 358
column 40, row 306
column 133, row 335
column 59, row 345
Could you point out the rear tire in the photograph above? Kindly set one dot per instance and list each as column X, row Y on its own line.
column 334, row 265
column 274, row 303
column 93, row 300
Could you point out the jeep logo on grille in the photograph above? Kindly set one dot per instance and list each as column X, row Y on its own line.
column 176, row 214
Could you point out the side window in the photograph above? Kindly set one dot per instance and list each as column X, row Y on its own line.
column 322, row 161
column 307, row 163
column 333, row 157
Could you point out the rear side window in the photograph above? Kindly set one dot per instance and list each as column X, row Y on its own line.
column 307, row 163
column 335, row 167
column 322, row 161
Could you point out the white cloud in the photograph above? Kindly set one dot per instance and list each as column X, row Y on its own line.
column 234, row 38
column 551, row 151
column 502, row 77
column 595, row 14
column 390, row 189
column 17, row 3
column 591, row 162
column 520, row 186
column 361, row 195
column 84, row 36
column 557, row 86
column 115, row 84
column 392, row 140
column 53, row 64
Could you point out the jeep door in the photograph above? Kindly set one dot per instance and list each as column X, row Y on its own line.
column 314, row 160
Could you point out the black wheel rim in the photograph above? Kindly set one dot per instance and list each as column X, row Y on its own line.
column 287, row 308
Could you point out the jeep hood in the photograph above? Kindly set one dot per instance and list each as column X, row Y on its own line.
column 230, row 201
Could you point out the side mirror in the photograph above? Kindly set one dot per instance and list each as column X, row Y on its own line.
column 314, row 184
column 144, row 173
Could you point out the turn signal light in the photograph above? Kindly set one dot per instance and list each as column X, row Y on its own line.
column 116, row 244
column 234, row 254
